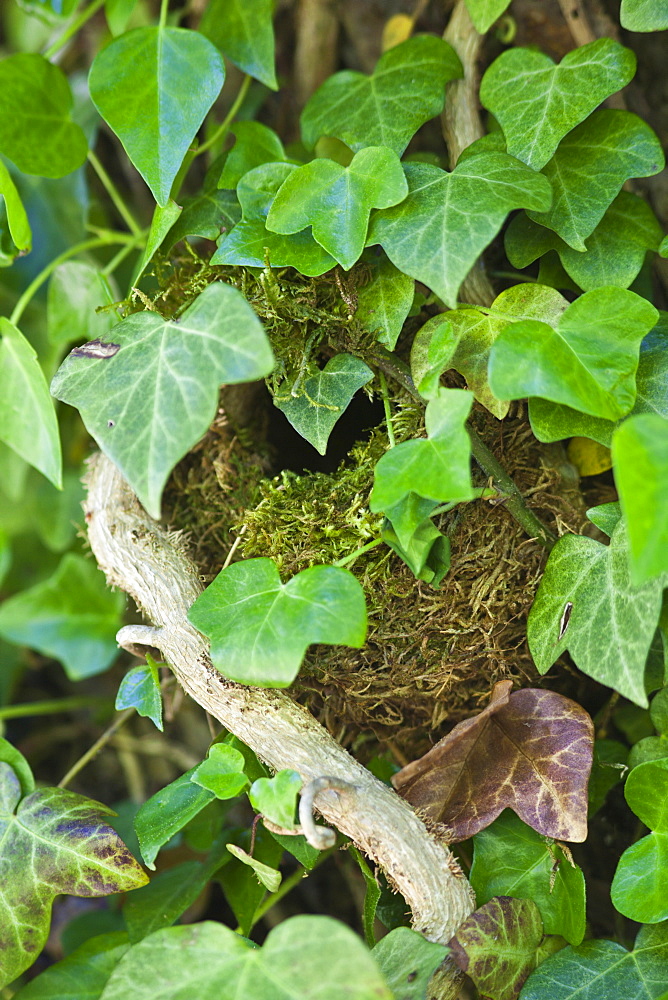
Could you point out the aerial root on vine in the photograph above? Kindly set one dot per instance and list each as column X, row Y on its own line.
column 320, row 837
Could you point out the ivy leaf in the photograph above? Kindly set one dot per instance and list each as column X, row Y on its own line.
column 496, row 946
column 17, row 220
column 638, row 887
column 76, row 290
column 477, row 330
column 530, row 751
column 276, row 797
column 147, row 403
column 615, row 251
column 644, row 15
column 413, row 536
column 595, row 969
column 167, row 812
column 36, row 129
column 436, row 467
column 19, row 765
column 485, row 12
column 611, row 622
column 511, row 859
column 553, row 422
column 537, row 103
column 408, row 961
column 72, row 616
column 323, row 398
column 153, row 86
column 65, row 846
column 84, row 973
column 164, row 217
column 243, row 31
column 640, row 458
column 261, row 628
column 255, row 144
column 250, row 242
column 587, row 360
column 269, row 877
column 406, row 89
column 222, row 772
column 27, row 416
column 441, row 228
column 243, row 890
column 304, row 954
column 336, row 201
column 140, row 689
column 613, row 147
column 431, row 354
column 384, row 303
column 209, row 214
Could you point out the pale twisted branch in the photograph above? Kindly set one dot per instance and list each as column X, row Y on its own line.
column 148, row 564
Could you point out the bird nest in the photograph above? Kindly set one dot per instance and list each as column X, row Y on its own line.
column 431, row 655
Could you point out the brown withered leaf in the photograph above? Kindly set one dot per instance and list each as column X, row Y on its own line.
column 530, row 751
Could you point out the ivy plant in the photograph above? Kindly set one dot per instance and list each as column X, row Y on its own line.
column 173, row 185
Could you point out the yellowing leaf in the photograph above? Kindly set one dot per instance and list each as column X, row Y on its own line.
column 589, row 457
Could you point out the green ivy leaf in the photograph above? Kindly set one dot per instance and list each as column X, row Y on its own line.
column 597, row 969
column 371, row 897
column 270, row 878
column 72, row 616
column 167, row 812
column 587, row 360
column 164, row 217
column 209, row 214
column 27, row 416
column 276, row 797
column 384, row 303
column 611, row 622
column 222, row 772
column 153, row 86
column 406, row 89
column 485, row 12
column 640, row 460
column 243, row 890
column 408, row 961
column 140, row 689
column 615, row 251
column 608, row 769
column 436, row 467
column 644, row 15
column 431, row 354
column 84, row 973
column 36, row 129
column 336, row 201
column 75, row 291
column 250, row 242
column 243, row 31
column 496, row 945
column 149, row 402
column 511, row 859
column 160, row 903
column 261, row 628
column 477, row 330
column 537, row 103
column 553, row 422
column 65, row 846
column 613, row 147
column 638, row 887
column 304, row 954
column 441, row 228
column 255, row 144
column 323, row 398
column 17, row 220
column 19, row 765
column 413, row 536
